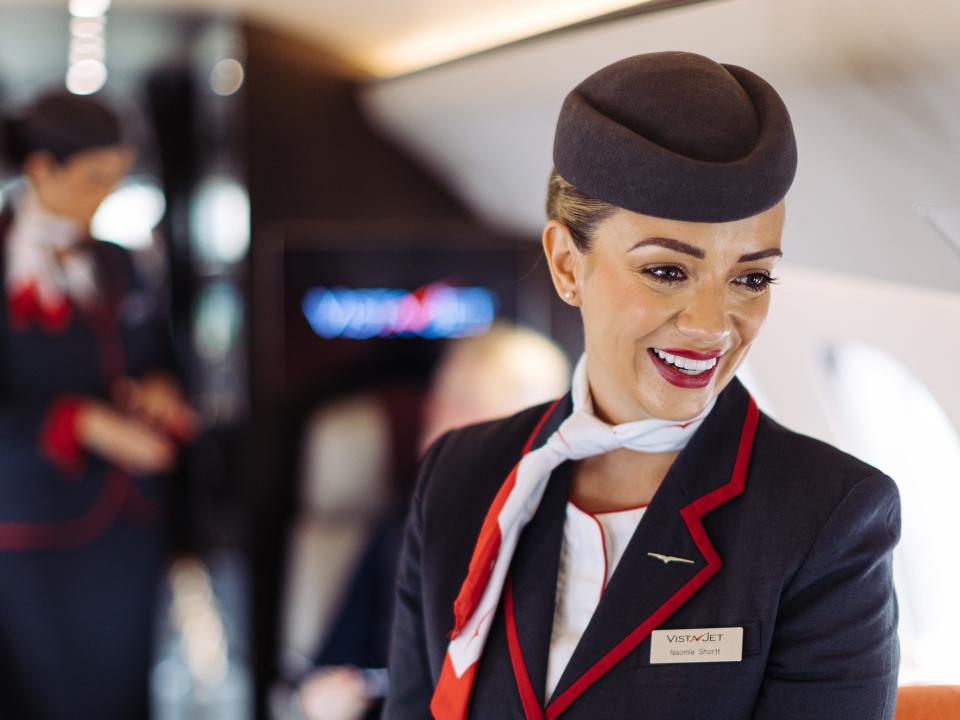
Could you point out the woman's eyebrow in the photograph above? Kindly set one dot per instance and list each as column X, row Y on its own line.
column 689, row 249
column 760, row 254
column 671, row 244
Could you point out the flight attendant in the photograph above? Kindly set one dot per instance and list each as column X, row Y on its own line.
column 91, row 415
column 651, row 545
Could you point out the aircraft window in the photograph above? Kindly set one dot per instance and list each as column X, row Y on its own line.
column 881, row 412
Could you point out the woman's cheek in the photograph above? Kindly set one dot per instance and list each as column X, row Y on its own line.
column 755, row 318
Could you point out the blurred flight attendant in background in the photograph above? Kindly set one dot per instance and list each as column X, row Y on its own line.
column 91, row 416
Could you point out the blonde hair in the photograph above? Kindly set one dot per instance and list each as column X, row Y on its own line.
column 492, row 375
column 579, row 212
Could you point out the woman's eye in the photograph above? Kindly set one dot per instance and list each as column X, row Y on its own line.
column 666, row 273
column 756, row 281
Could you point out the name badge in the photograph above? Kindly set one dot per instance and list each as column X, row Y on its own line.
column 696, row 645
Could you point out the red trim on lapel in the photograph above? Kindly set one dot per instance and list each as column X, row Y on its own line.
column 105, row 322
column 140, row 510
column 536, row 431
column 531, row 706
column 488, row 541
column 119, row 493
column 603, row 538
column 692, row 515
column 72, row 533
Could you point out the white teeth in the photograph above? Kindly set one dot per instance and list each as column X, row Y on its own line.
column 686, row 365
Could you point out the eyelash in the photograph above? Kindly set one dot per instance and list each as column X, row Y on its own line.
column 756, row 288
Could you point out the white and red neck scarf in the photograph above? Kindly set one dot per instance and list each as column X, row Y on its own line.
column 42, row 280
column 582, row 434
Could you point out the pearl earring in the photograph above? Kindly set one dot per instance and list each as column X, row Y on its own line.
column 568, row 295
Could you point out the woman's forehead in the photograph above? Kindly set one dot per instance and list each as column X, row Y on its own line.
column 630, row 230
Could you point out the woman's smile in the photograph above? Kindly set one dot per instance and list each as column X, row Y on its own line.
column 685, row 368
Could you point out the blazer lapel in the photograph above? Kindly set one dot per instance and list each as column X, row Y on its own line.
column 644, row 591
column 533, row 575
column 533, row 572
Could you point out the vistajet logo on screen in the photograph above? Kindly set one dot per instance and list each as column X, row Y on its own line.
column 696, row 645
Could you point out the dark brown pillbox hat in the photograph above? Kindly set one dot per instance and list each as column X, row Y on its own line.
column 679, row 136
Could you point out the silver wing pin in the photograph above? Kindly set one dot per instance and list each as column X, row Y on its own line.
column 670, row 558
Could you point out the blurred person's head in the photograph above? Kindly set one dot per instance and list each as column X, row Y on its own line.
column 665, row 213
column 70, row 148
column 487, row 376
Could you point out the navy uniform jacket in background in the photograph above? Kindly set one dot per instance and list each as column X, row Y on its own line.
column 129, row 338
column 80, row 547
column 806, row 554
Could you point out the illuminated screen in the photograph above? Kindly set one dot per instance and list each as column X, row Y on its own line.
column 435, row 311
column 382, row 307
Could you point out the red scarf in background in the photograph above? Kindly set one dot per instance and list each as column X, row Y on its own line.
column 47, row 273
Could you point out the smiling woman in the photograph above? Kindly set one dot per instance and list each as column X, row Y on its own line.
column 568, row 547
column 692, row 291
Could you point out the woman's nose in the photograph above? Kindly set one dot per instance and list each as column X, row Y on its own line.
column 705, row 318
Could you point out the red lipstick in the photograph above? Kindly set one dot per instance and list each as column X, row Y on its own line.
column 673, row 375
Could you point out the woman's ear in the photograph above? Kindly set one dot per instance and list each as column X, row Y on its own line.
column 39, row 165
column 565, row 261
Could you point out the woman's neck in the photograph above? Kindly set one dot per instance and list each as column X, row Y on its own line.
column 50, row 228
column 618, row 479
column 603, row 398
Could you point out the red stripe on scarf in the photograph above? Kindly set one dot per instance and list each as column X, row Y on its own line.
column 488, row 542
column 453, row 701
column 484, row 556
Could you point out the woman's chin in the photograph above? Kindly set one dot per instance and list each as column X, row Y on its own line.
column 675, row 403
column 684, row 410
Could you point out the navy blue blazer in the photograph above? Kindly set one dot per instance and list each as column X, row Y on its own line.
column 804, row 555
column 42, row 504
column 80, row 541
